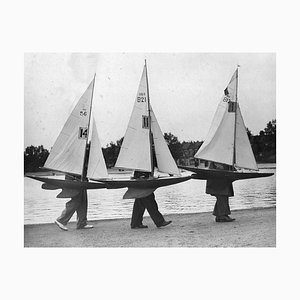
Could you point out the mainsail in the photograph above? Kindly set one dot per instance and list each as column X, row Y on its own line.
column 68, row 152
column 136, row 150
column 227, row 140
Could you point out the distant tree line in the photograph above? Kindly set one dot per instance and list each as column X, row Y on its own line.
column 34, row 158
column 263, row 146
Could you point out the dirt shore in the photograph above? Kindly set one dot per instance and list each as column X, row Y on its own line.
column 252, row 228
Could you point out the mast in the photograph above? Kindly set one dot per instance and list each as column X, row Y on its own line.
column 149, row 117
column 235, row 111
column 87, row 149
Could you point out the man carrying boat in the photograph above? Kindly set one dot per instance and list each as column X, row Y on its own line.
column 227, row 147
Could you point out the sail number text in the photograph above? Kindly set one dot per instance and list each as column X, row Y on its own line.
column 83, row 113
column 226, row 99
column 83, row 133
column 145, row 122
column 141, row 97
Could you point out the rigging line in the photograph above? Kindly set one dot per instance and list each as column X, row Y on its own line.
column 235, row 111
column 149, row 115
column 84, row 171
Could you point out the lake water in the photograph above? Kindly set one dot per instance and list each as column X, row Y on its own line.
column 42, row 206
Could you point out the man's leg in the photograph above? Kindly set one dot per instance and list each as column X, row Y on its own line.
column 152, row 208
column 82, row 209
column 137, row 213
column 222, row 209
column 68, row 212
column 222, row 206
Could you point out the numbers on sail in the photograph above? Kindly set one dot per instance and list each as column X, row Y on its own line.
column 231, row 106
column 83, row 132
column 145, row 122
column 226, row 99
column 83, row 113
column 141, row 97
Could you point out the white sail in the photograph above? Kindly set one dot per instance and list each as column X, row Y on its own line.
column 135, row 151
column 219, row 145
column 165, row 161
column 96, row 165
column 244, row 154
column 227, row 141
column 67, row 154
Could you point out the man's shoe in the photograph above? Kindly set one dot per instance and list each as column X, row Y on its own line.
column 61, row 226
column 139, row 226
column 87, row 226
column 164, row 223
column 224, row 219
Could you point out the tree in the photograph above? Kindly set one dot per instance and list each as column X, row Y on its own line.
column 111, row 152
column 271, row 128
column 174, row 145
column 264, row 144
column 34, row 158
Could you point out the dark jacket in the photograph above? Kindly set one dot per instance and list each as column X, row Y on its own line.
column 219, row 187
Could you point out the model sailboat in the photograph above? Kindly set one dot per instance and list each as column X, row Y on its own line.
column 227, row 141
column 76, row 152
column 144, row 141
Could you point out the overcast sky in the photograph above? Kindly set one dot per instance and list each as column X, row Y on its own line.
column 185, row 89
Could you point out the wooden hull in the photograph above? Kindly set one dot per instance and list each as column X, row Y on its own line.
column 144, row 183
column 52, row 183
column 205, row 174
column 140, row 188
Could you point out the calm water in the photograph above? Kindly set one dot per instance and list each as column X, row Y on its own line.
column 42, row 206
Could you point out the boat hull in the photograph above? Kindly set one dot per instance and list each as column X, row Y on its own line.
column 143, row 183
column 52, row 183
column 204, row 174
column 140, row 188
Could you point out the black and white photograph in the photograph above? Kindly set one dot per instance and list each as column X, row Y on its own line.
column 150, row 150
